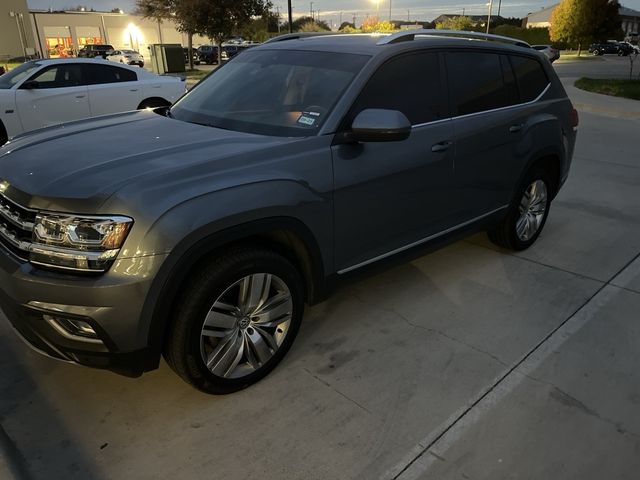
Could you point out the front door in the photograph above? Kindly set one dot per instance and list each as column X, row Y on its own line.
column 56, row 94
column 389, row 196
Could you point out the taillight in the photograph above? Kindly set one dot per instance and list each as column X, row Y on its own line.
column 575, row 119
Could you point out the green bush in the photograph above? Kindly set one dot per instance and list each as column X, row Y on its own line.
column 533, row 36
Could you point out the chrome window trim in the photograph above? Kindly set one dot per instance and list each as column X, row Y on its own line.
column 419, row 242
column 499, row 109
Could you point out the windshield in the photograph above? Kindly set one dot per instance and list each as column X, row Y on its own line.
column 12, row 77
column 271, row 92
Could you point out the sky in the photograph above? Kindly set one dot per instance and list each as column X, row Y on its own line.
column 425, row 10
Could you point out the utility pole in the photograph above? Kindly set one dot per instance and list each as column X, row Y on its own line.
column 290, row 16
column 408, row 16
column 354, row 20
column 311, row 9
column 340, row 18
column 390, row 10
column 489, row 15
column 278, row 19
column 499, row 5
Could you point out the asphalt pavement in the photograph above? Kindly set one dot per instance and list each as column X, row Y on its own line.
column 471, row 362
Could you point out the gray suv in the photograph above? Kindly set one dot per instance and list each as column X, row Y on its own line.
column 199, row 232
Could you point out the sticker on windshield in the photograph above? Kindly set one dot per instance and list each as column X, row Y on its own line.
column 304, row 120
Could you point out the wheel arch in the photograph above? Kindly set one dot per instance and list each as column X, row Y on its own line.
column 157, row 101
column 286, row 235
column 4, row 135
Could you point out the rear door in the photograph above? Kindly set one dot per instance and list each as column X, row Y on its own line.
column 112, row 89
column 486, row 130
column 390, row 195
column 60, row 96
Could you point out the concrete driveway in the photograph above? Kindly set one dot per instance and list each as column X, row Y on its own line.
column 467, row 363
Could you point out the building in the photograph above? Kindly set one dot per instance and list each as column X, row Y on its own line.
column 62, row 34
column 630, row 20
column 44, row 34
column 16, row 35
column 539, row 19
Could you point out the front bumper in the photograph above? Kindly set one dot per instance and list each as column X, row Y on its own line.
column 111, row 304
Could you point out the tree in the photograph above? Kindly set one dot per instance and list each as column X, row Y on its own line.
column 220, row 19
column 374, row 25
column 457, row 23
column 579, row 22
column 344, row 25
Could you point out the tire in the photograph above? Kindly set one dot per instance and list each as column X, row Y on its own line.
column 508, row 234
column 251, row 347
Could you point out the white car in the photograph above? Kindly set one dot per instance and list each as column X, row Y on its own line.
column 128, row 57
column 41, row 93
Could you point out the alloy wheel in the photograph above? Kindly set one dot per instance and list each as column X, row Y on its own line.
column 532, row 209
column 246, row 325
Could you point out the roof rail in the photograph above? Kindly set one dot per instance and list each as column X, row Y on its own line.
column 296, row 36
column 411, row 34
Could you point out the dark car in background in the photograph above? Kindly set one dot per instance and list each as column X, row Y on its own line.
column 610, row 48
column 196, row 60
column 207, row 54
column 93, row 51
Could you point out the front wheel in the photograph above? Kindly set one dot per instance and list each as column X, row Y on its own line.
column 236, row 321
column 527, row 215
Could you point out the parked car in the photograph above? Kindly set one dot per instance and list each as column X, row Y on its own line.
column 610, row 48
column 208, row 54
column 625, row 49
column 550, row 51
column 93, row 51
column 200, row 232
column 196, row 60
column 128, row 57
column 631, row 47
column 41, row 93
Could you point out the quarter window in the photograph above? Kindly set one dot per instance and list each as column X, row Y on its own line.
column 99, row 74
column 477, row 82
column 531, row 78
column 409, row 83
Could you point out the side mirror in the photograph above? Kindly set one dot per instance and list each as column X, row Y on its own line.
column 30, row 85
column 378, row 125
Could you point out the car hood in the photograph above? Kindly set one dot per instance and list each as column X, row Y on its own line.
column 90, row 160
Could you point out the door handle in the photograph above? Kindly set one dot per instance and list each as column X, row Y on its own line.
column 80, row 96
column 441, row 147
column 515, row 128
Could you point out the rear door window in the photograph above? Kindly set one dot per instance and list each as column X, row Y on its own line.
column 531, row 77
column 99, row 74
column 60, row 76
column 409, row 83
column 477, row 82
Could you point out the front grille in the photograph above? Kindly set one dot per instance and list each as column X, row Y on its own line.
column 16, row 227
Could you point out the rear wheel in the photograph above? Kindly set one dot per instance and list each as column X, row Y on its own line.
column 527, row 214
column 236, row 321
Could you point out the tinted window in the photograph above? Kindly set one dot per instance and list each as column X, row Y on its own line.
column 532, row 79
column 271, row 92
column 99, row 74
column 60, row 76
column 476, row 81
column 411, row 84
column 510, row 85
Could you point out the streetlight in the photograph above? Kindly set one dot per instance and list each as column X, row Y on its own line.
column 490, row 4
column 290, row 16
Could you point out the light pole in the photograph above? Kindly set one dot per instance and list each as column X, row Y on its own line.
column 290, row 16
column 489, row 15
column 390, row 10
column 311, row 10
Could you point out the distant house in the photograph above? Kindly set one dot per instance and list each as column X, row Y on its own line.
column 539, row 19
column 478, row 20
column 630, row 22
column 542, row 18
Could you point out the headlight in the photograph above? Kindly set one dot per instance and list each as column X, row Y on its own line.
column 84, row 243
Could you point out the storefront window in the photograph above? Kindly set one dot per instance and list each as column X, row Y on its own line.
column 60, row 47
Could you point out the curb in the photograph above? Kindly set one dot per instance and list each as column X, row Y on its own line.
column 585, row 107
